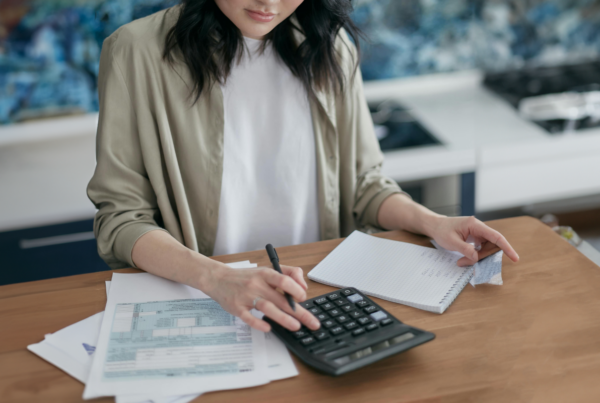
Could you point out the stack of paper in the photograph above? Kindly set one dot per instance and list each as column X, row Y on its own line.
column 160, row 341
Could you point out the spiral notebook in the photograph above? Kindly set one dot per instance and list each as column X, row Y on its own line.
column 400, row 272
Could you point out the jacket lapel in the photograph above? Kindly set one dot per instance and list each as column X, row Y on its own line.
column 324, row 99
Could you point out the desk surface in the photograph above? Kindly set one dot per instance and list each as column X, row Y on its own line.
column 534, row 339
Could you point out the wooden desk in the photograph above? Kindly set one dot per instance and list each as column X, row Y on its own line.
column 534, row 339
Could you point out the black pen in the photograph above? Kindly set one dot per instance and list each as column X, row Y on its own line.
column 275, row 262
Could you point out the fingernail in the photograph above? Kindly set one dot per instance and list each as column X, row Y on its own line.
column 315, row 324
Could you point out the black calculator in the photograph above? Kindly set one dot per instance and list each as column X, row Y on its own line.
column 354, row 332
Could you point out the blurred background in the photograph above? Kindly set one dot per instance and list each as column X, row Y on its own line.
column 484, row 107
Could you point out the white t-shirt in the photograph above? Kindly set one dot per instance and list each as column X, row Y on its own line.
column 269, row 187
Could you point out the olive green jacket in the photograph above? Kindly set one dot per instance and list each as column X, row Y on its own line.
column 160, row 157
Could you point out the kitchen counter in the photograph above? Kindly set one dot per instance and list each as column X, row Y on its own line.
column 516, row 162
column 43, row 180
column 45, row 166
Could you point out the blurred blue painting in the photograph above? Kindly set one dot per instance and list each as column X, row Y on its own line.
column 50, row 49
column 411, row 37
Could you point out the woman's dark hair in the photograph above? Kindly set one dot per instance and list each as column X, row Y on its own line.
column 209, row 43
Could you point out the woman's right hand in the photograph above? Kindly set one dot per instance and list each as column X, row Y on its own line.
column 236, row 289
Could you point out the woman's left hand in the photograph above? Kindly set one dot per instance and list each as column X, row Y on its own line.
column 455, row 233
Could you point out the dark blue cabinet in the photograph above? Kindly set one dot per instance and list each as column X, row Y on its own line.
column 47, row 252
column 467, row 193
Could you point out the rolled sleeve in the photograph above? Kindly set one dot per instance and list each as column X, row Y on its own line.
column 372, row 187
column 128, row 236
column 372, row 209
column 120, row 188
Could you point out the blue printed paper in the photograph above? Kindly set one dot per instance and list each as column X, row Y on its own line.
column 486, row 271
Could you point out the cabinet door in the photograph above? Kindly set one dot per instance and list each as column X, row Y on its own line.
column 47, row 252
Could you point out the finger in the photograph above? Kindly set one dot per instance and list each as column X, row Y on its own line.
column 496, row 238
column 463, row 261
column 254, row 322
column 296, row 273
column 273, row 312
column 468, row 250
column 285, row 283
column 304, row 316
column 487, row 249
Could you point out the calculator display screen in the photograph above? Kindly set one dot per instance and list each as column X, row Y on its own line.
column 376, row 347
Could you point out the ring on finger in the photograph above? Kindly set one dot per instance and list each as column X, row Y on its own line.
column 255, row 302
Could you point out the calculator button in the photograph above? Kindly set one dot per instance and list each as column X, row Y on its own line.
column 358, row 332
column 321, row 335
column 364, row 320
column 340, row 302
column 308, row 340
column 350, row 325
column 320, row 300
column 335, row 312
column 348, row 292
column 386, row 322
column 355, row 298
column 379, row 315
column 347, row 308
column 314, row 311
column 355, row 314
column 328, row 323
column 328, row 306
column 299, row 334
column 337, row 330
column 361, row 304
column 333, row 296
column 307, row 304
column 322, row 317
column 372, row 326
column 370, row 309
column 343, row 318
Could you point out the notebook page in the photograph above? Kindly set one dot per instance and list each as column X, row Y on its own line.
column 397, row 271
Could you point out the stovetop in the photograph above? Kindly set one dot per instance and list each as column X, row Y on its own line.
column 515, row 86
column 396, row 128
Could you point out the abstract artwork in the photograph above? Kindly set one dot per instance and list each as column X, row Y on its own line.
column 50, row 49
column 412, row 37
column 50, row 52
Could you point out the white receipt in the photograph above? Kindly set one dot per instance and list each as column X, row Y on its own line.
column 486, row 271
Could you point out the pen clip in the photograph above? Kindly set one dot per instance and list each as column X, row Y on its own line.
column 272, row 252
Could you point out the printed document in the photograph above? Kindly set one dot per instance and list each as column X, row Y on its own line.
column 71, row 349
column 159, row 337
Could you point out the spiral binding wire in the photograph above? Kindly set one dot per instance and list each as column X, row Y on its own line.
column 461, row 282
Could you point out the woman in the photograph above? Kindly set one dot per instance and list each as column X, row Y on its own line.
column 228, row 124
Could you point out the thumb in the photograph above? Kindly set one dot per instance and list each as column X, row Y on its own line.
column 469, row 251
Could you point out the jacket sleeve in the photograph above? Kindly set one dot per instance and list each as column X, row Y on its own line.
column 119, row 188
column 372, row 187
